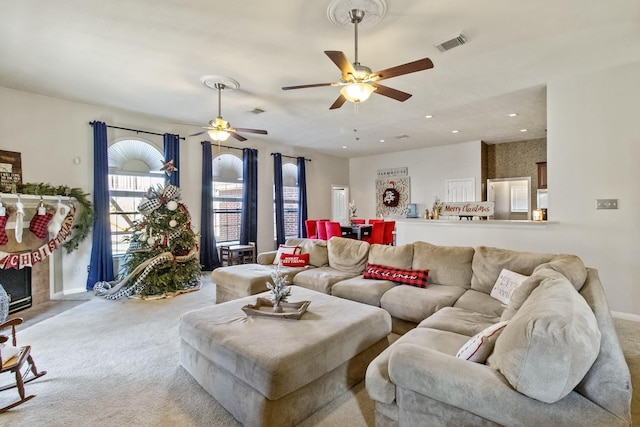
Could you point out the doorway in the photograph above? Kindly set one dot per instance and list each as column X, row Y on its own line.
column 340, row 204
column 511, row 197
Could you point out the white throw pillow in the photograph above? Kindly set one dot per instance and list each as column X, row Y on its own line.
column 289, row 250
column 480, row 346
column 507, row 282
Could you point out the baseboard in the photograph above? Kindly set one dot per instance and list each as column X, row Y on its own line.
column 60, row 295
column 625, row 316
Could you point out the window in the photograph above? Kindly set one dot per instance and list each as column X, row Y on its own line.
column 134, row 166
column 291, row 195
column 227, row 197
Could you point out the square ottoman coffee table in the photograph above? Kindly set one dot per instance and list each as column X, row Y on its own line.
column 277, row 372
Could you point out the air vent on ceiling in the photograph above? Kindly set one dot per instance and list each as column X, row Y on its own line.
column 454, row 41
column 257, row 111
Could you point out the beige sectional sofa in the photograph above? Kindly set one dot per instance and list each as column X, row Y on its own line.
column 556, row 362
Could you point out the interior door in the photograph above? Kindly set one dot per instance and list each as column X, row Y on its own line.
column 460, row 190
column 340, row 204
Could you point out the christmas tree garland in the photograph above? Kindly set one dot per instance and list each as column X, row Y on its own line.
column 84, row 219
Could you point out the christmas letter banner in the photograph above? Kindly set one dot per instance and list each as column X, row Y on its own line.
column 27, row 259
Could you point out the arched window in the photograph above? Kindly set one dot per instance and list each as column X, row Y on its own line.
column 227, row 197
column 291, row 194
column 134, row 166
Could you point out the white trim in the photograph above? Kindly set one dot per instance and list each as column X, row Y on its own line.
column 625, row 316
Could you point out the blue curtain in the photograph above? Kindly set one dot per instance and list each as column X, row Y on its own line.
column 249, row 221
column 302, row 197
column 172, row 152
column 208, row 250
column 279, row 198
column 101, row 264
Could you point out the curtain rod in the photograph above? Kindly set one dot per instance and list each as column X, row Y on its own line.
column 138, row 130
column 290, row 157
column 220, row 145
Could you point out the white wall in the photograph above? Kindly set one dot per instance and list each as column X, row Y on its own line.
column 50, row 133
column 593, row 151
column 428, row 168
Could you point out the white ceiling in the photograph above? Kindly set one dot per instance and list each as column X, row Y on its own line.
column 148, row 56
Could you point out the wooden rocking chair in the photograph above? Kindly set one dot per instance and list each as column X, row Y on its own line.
column 19, row 363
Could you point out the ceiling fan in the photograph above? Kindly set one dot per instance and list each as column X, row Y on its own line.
column 358, row 82
column 219, row 129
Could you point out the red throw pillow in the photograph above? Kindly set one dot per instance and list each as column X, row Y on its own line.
column 294, row 260
column 417, row 278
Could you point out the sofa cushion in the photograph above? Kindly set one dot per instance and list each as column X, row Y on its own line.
column 317, row 250
column 363, row 290
column 410, row 277
column 522, row 292
column 480, row 346
column 447, row 265
column 459, row 320
column 480, row 302
column 321, row 279
column 415, row 304
column 507, row 282
column 569, row 266
column 549, row 344
column 488, row 263
column 379, row 386
column 393, row 256
column 347, row 255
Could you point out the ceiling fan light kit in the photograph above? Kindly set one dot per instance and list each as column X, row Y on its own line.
column 219, row 129
column 357, row 81
column 357, row 92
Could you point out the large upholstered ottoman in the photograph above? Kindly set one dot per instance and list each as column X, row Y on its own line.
column 277, row 372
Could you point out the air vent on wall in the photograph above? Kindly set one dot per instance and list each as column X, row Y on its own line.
column 454, row 41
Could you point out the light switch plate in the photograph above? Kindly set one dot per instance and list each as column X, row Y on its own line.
column 606, row 203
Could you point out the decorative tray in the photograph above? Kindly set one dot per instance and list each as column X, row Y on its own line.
column 264, row 308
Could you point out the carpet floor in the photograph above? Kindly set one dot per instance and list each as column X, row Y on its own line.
column 116, row 363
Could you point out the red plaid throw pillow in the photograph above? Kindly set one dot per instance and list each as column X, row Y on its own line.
column 417, row 278
column 297, row 260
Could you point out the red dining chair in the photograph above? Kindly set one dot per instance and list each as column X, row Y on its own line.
column 377, row 233
column 373, row 221
column 357, row 221
column 310, row 225
column 321, row 229
column 387, row 238
column 333, row 229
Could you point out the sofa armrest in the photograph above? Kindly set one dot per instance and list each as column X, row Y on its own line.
column 266, row 258
column 483, row 391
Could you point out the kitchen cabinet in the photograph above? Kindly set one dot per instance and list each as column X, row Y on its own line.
column 542, row 175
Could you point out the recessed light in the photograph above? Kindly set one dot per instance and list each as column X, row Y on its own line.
column 523, row 130
column 344, row 146
column 513, row 114
column 428, row 116
column 382, row 140
column 455, row 131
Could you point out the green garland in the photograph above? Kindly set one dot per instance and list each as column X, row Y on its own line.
column 84, row 219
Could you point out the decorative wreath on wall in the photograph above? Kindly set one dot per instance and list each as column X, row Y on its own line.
column 391, row 196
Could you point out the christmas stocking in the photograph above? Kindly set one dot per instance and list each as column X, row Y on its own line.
column 56, row 222
column 19, row 220
column 4, row 239
column 39, row 223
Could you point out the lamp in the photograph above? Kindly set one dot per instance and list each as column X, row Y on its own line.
column 357, row 92
column 219, row 135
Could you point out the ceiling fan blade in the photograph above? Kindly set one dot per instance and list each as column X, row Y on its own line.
column 396, row 94
column 199, row 133
column 410, row 67
column 237, row 136
column 341, row 60
column 311, row 85
column 338, row 102
column 260, row 131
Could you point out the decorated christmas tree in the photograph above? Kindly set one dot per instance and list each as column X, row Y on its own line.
column 162, row 258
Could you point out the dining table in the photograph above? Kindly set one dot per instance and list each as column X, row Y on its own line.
column 356, row 231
